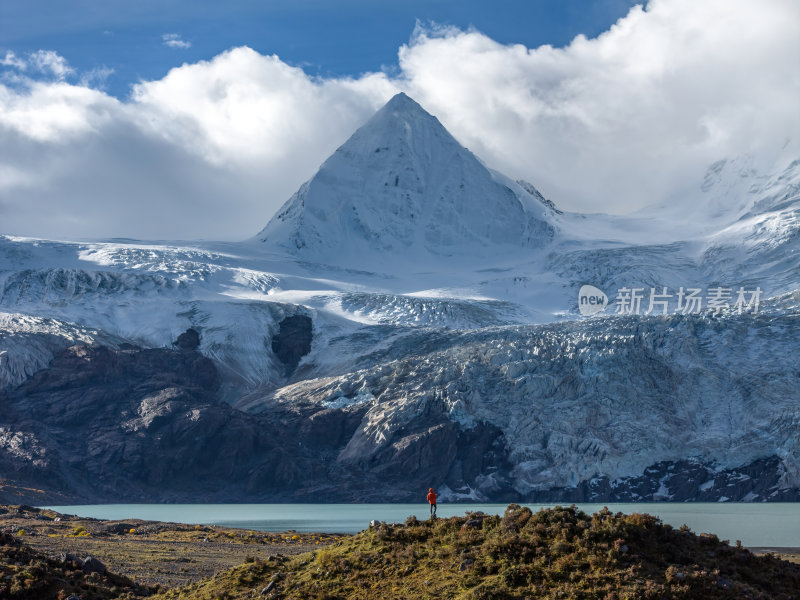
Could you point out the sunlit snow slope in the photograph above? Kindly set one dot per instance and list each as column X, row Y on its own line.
column 442, row 299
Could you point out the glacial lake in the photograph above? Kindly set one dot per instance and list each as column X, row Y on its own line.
column 774, row 525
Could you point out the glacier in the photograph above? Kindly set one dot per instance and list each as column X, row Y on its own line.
column 447, row 348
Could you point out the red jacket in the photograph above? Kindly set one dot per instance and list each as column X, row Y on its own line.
column 431, row 498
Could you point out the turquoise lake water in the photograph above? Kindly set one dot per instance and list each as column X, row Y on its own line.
column 771, row 525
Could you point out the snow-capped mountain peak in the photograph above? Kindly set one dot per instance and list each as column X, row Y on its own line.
column 403, row 184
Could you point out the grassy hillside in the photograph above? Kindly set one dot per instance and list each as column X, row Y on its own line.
column 558, row 553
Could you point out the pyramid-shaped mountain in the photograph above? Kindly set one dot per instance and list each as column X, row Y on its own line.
column 402, row 183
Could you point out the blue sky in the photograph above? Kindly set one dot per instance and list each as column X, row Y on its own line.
column 324, row 37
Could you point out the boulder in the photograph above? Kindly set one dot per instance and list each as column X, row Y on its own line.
column 93, row 565
column 118, row 528
column 268, row 588
column 466, row 564
column 70, row 560
column 473, row 524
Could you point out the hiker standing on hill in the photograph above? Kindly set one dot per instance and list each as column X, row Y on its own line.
column 432, row 501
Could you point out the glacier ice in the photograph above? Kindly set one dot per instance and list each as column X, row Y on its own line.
column 441, row 290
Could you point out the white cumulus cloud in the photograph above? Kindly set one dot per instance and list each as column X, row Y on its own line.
column 620, row 121
column 614, row 123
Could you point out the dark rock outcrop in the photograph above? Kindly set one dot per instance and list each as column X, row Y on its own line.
column 136, row 425
column 189, row 340
column 330, row 428
column 682, row 481
column 293, row 341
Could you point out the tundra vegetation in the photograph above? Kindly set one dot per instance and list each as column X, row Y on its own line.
column 554, row 553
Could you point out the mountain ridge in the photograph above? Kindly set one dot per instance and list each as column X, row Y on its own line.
column 396, row 360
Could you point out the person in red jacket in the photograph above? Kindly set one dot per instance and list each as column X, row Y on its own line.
column 432, row 501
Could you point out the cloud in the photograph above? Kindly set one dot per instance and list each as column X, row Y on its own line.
column 242, row 106
column 50, row 63
column 626, row 119
column 96, row 77
column 630, row 118
column 44, row 62
column 208, row 151
column 173, row 40
column 11, row 60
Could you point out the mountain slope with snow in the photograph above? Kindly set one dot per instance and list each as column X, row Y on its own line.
column 402, row 184
column 411, row 318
